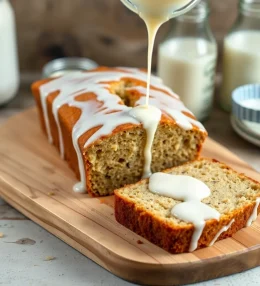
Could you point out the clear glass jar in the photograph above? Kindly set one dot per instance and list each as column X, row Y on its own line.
column 187, row 60
column 241, row 62
column 174, row 7
column 9, row 75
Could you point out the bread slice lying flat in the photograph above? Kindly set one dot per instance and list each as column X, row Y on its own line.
column 233, row 195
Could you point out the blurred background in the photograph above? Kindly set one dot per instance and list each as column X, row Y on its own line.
column 103, row 30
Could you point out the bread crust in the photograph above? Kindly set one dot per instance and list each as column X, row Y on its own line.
column 171, row 237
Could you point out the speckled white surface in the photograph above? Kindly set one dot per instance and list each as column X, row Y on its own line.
column 27, row 265
column 23, row 264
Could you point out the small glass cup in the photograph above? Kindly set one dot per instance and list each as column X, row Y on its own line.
column 175, row 13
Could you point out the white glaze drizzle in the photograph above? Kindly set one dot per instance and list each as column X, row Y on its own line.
column 150, row 117
column 77, row 81
column 223, row 229
column 191, row 191
column 253, row 216
column 153, row 26
column 154, row 79
column 154, row 16
column 101, row 112
column 171, row 106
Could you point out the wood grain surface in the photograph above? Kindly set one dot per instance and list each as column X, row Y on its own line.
column 38, row 183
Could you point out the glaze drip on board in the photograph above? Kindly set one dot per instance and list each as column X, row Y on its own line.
column 191, row 191
column 107, row 110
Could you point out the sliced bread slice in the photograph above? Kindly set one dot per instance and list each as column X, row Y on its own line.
column 235, row 196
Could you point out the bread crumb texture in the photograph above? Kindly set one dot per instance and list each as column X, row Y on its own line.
column 119, row 159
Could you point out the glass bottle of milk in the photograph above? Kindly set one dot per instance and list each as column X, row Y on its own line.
column 9, row 74
column 241, row 63
column 187, row 60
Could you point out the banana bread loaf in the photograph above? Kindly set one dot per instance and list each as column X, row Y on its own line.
column 86, row 116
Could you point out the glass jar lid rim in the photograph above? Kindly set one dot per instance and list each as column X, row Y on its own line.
column 73, row 63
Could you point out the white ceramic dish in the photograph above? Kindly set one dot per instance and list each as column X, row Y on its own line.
column 252, row 127
column 244, row 134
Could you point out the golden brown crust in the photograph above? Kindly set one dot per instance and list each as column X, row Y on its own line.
column 173, row 238
column 68, row 116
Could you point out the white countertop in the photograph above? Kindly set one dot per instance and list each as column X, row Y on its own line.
column 43, row 259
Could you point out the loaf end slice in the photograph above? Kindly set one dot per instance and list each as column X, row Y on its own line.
column 233, row 195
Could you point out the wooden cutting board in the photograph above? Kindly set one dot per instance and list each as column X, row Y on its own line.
column 34, row 180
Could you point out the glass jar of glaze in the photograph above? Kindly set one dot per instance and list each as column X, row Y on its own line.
column 9, row 75
column 241, row 63
column 187, row 60
column 174, row 8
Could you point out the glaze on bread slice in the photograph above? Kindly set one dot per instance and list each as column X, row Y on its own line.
column 233, row 195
